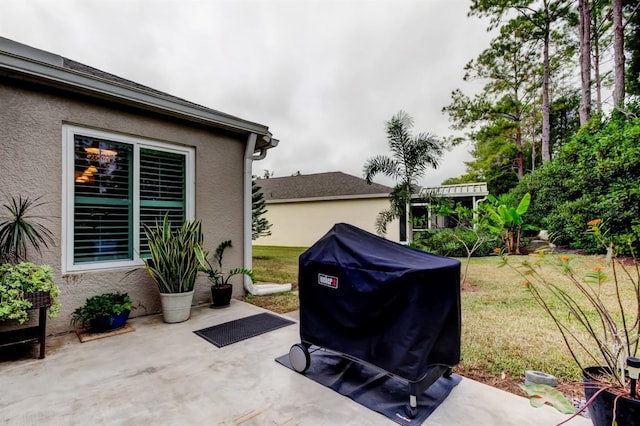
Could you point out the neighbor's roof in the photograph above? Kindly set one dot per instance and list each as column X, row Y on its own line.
column 320, row 186
column 458, row 190
column 19, row 61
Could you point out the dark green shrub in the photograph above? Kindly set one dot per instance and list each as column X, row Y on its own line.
column 596, row 175
column 447, row 242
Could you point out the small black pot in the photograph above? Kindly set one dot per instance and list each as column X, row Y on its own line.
column 110, row 322
column 601, row 409
column 221, row 296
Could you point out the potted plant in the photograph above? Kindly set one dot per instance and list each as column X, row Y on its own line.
column 221, row 290
column 23, row 284
column 599, row 320
column 104, row 312
column 18, row 230
column 173, row 265
column 20, row 286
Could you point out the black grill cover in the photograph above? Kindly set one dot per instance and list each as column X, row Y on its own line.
column 392, row 306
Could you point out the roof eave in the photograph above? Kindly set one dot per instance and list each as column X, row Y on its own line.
column 57, row 76
column 326, row 198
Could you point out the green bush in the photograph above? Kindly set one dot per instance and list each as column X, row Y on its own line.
column 596, row 175
column 447, row 242
column 15, row 280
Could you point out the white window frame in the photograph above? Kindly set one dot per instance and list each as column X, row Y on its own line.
column 68, row 147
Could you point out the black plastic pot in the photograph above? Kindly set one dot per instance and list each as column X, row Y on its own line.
column 601, row 409
column 221, row 296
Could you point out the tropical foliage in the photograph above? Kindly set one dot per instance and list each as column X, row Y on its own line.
column 506, row 217
column 411, row 156
column 173, row 262
column 215, row 274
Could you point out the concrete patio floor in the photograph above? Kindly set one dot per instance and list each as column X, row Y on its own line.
column 164, row 374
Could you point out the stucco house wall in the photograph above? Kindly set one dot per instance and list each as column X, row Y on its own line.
column 302, row 223
column 32, row 122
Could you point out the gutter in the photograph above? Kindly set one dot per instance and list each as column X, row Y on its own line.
column 249, row 157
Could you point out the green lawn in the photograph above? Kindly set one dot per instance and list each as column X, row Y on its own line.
column 276, row 264
column 504, row 331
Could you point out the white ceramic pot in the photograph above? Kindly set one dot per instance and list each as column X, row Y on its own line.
column 176, row 307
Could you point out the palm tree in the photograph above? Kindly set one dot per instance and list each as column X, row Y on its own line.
column 411, row 156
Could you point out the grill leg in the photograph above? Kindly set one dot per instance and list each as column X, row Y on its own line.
column 411, row 410
column 42, row 324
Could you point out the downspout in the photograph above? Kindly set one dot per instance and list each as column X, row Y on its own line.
column 249, row 157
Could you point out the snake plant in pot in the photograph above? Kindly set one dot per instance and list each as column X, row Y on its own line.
column 173, row 265
column 221, row 290
column 598, row 316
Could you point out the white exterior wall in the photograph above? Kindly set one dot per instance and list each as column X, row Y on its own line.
column 300, row 224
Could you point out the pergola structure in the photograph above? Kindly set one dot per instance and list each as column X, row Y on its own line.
column 467, row 194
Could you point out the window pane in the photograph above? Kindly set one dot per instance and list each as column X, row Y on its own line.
column 103, row 206
column 162, row 190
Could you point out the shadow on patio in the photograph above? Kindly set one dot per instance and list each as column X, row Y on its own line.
column 166, row 374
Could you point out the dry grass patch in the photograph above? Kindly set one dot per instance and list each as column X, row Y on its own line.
column 504, row 331
column 280, row 303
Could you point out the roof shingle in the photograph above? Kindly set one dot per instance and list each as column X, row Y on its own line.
column 319, row 185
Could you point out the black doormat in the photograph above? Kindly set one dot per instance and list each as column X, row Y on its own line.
column 234, row 331
column 374, row 388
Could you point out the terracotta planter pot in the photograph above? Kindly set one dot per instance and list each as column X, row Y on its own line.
column 601, row 409
column 221, row 296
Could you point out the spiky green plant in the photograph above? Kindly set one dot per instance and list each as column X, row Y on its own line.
column 19, row 230
column 173, row 264
column 216, row 276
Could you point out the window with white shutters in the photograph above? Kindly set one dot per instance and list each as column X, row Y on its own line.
column 115, row 185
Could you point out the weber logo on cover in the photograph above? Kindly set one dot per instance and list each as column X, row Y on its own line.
column 327, row 281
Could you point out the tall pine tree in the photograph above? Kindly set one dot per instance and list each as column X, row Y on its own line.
column 259, row 225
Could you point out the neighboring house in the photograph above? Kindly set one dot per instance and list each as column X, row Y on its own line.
column 301, row 209
column 107, row 155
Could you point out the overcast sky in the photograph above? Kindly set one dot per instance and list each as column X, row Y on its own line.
column 324, row 75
